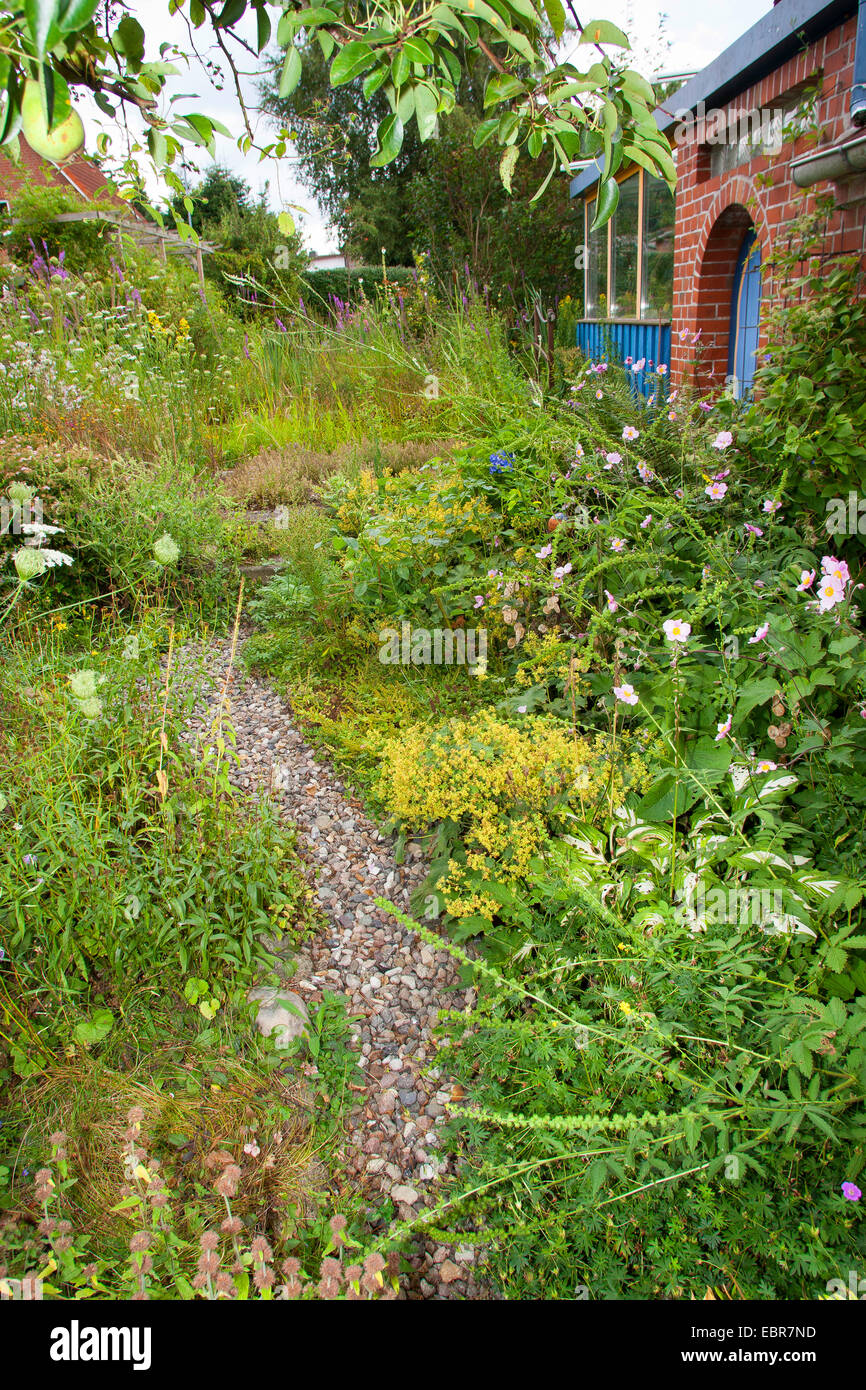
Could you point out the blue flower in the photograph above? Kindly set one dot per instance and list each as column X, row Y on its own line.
column 500, row 463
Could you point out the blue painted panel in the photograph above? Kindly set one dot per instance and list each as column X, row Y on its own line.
column 627, row 343
column 745, row 315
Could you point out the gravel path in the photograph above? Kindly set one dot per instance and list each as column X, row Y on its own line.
column 391, row 980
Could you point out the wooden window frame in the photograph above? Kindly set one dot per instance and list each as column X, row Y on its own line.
column 589, row 203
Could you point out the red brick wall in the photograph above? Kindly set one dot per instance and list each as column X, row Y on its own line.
column 714, row 214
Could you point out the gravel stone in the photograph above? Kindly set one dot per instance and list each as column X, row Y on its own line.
column 394, row 983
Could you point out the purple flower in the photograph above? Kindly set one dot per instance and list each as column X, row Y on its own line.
column 851, row 1192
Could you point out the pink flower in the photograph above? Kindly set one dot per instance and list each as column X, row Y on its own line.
column 479, row 601
column 753, row 530
column 661, row 369
column 724, row 728
column 630, row 433
column 675, row 631
column 771, row 505
column 521, row 709
column 836, row 569
column 807, row 579
column 614, row 458
column 626, row 693
column 830, row 592
column 851, row 1192
column 599, row 395
column 723, row 439
column 765, row 766
column 645, row 472
column 760, row 633
column 678, row 492
column 646, row 521
column 716, row 491
column 639, row 365
column 612, row 604
column 618, row 544
column 543, row 553
column 672, row 414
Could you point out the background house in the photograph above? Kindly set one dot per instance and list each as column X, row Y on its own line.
column 77, row 175
column 740, row 130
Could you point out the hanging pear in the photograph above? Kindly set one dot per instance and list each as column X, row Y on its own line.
column 57, row 144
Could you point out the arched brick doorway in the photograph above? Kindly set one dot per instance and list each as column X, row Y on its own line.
column 715, row 292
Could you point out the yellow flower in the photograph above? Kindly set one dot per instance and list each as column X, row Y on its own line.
column 626, row 1008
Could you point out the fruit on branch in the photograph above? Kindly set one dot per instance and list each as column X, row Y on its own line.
column 57, row 144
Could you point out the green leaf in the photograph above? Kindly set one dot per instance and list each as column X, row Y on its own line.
column 634, row 82
column 128, row 39
column 425, row 110
column 353, row 59
column 418, row 51
column 158, row 146
column 315, row 15
column 75, row 14
column 41, row 15
column 602, row 31
column 484, row 132
column 556, row 14
column 94, row 1029
column 263, row 28
column 400, row 68
column 291, row 73
column 373, row 81
column 502, row 87
column 390, row 136
column 639, row 156
column 286, row 223
column 230, row 13
column 605, row 205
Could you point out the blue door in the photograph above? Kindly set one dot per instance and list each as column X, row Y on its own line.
column 745, row 313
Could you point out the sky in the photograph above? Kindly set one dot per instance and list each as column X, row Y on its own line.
column 672, row 38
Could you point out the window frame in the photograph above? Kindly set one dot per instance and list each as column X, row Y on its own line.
column 588, row 204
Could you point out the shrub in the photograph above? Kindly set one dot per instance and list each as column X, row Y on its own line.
column 499, row 788
column 349, row 285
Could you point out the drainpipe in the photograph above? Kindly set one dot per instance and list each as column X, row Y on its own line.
column 858, row 89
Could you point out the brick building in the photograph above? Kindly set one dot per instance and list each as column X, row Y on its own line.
column 778, row 116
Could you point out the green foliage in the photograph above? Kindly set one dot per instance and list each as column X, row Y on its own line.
column 320, row 286
column 126, row 856
column 653, row 1116
column 812, row 415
